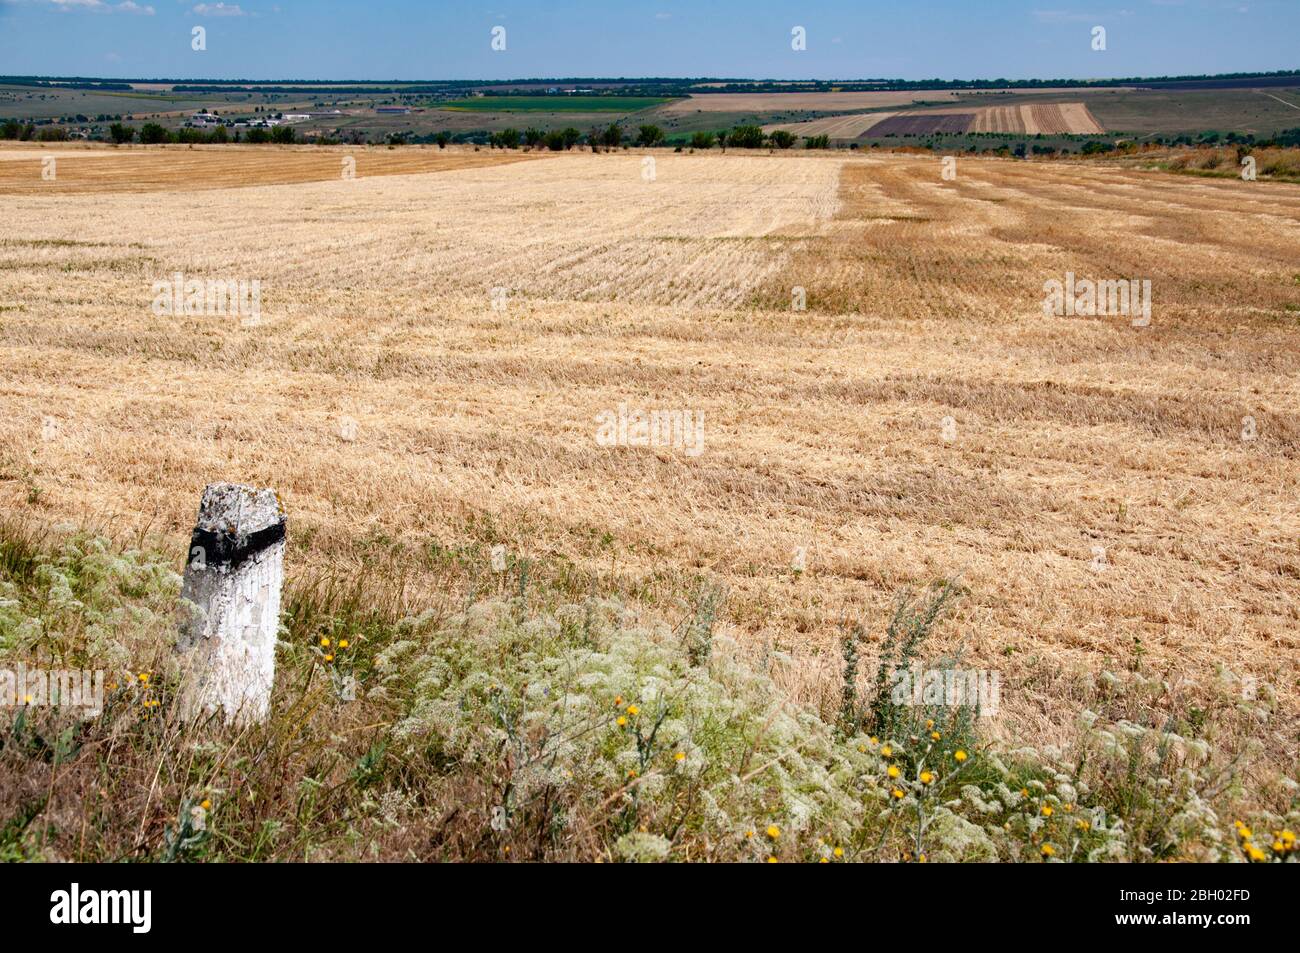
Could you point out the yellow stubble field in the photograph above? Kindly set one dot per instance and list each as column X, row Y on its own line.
column 1109, row 496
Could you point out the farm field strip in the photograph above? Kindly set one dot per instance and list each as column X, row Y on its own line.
column 559, row 103
column 837, row 127
column 968, row 99
column 923, row 124
column 1027, row 118
column 777, row 102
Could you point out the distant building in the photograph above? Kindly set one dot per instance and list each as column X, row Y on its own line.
column 393, row 109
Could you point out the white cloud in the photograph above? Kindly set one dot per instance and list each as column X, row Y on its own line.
column 219, row 10
column 100, row 6
column 1069, row 16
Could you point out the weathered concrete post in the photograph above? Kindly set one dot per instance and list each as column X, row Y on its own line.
column 231, row 597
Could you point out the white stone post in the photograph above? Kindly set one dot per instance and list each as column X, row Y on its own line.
column 231, row 599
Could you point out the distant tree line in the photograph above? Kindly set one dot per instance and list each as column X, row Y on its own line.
column 613, row 136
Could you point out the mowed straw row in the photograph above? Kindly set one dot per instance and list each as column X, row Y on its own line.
column 824, row 428
column 1057, row 118
column 998, row 119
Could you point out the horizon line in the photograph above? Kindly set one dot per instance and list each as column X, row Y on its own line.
column 650, row 79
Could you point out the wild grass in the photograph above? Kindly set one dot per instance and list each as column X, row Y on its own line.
column 522, row 726
column 1282, row 165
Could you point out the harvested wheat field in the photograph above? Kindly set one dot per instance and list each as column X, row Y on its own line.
column 168, row 168
column 1109, row 496
column 837, row 127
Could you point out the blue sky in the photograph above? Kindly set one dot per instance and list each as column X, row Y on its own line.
column 430, row 39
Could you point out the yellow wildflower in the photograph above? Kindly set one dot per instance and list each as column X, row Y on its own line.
column 773, row 831
column 959, row 755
